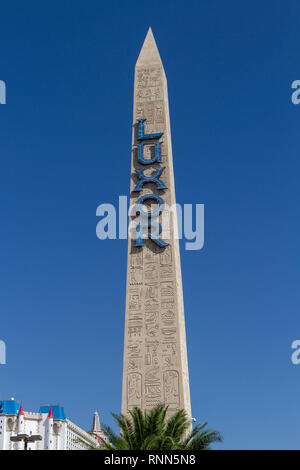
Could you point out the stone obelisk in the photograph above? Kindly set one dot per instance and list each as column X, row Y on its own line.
column 155, row 368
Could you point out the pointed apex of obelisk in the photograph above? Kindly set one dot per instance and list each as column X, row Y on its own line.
column 149, row 53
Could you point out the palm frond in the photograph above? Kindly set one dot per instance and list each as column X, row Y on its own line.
column 150, row 430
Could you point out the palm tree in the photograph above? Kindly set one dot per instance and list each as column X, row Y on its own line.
column 151, row 430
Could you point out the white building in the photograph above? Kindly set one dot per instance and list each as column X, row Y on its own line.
column 49, row 429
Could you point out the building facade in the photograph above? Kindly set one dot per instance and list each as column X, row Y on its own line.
column 49, row 429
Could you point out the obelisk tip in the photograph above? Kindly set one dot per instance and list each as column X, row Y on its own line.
column 149, row 53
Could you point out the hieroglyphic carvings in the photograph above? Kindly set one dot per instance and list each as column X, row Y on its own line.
column 166, row 256
column 151, row 353
column 134, row 390
column 152, row 384
column 148, row 77
column 134, row 349
column 134, row 299
column 151, row 272
column 136, row 258
column 134, row 316
column 134, row 330
column 153, row 375
column 171, row 388
column 151, row 295
column 169, row 354
column 152, row 393
column 159, row 113
column 168, row 317
column 166, row 271
column 167, row 288
column 134, row 364
column 152, row 324
column 136, row 275
column 149, row 94
column 167, row 304
column 169, row 334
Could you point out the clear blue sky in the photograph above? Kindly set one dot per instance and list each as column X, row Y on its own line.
column 69, row 66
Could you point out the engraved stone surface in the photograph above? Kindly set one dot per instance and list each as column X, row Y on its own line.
column 155, row 368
